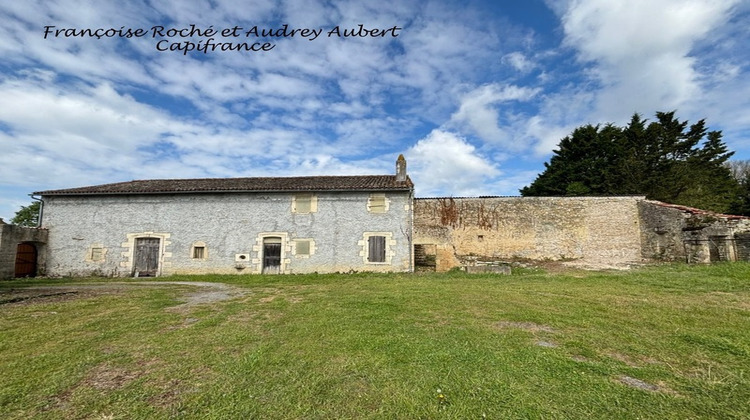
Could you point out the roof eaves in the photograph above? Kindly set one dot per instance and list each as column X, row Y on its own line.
column 218, row 191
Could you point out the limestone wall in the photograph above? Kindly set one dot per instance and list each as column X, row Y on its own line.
column 97, row 235
column 10, row 237
column 679, row 233
column 597, row 229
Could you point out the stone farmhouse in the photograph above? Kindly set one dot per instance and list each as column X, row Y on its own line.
column 231, row 225
column 346, row 224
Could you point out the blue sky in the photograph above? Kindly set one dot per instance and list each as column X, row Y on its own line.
column 475, row 94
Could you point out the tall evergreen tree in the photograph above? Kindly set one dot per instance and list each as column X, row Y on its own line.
column 665, row 160
column 580, row 163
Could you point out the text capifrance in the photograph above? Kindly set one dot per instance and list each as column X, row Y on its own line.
column 208, row 39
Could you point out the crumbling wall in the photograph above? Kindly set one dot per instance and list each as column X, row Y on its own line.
column 465, row 231
column 672, row 232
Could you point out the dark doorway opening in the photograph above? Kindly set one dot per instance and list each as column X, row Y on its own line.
column 271, row 255
column 26, row 256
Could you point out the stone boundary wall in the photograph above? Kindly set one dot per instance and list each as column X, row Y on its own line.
column 465, row 231
column 10, row 237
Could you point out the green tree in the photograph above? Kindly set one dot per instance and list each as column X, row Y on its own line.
column 667, row 160
column 742, row 205
column 580, row 164
column 27, row 216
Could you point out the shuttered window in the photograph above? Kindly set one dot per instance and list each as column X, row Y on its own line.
column 199, row 252
column 376, row 203
column 376, row 249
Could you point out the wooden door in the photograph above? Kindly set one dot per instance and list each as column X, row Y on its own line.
column 146, row 261
column 26, row 260
column 272, row 255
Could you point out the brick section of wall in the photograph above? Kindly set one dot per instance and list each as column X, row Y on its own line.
column 597, row 229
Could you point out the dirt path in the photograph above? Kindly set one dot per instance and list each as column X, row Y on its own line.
column 204, row 292
column 208, row 292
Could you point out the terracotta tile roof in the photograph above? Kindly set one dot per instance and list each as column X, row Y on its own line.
column 693, row 210
column 275, row 184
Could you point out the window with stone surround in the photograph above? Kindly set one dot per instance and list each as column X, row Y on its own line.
column 97, row 254
column 303, row 247
column 377, row 247
column 199, row 251
column 377, row 203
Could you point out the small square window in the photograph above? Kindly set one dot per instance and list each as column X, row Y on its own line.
column 199, row 252
column 302, row 248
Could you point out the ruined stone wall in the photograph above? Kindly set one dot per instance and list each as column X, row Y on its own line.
column 678, row 233
column 597, row 229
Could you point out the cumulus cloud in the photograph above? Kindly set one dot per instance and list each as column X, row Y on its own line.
column 641, row 49
column 56, row 135
column 479, row 112
column 443, row 163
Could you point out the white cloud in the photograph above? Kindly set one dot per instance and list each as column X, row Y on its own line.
column 547, row 134
column 83, row 111
column 444, row 164
column 641, row 49
column 58, row 135
column 558, row 115
column 97, row 114
column 509, row 185
column 478, row 112
column 519, row 61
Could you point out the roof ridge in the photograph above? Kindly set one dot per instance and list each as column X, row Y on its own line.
column 242, row 184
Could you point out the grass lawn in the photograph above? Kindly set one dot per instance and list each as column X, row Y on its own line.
column 659, row 342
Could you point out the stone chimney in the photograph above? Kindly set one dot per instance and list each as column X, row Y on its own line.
column 401, row 169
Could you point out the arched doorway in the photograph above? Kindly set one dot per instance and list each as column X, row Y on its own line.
column 26, row 255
